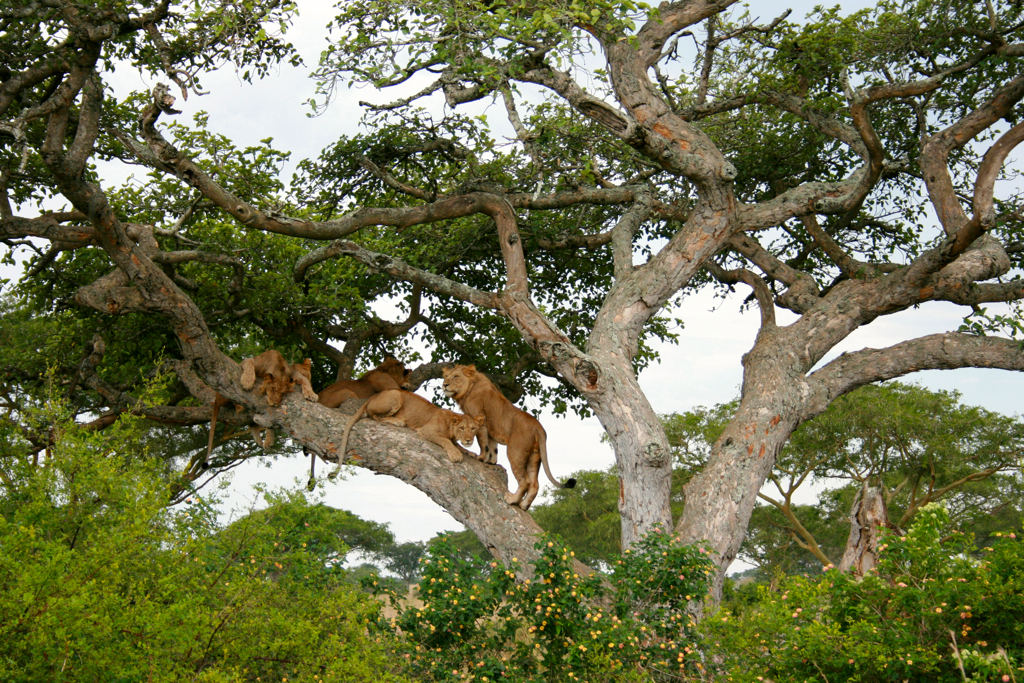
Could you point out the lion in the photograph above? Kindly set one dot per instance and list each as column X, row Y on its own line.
column 278, row 376
column 523, row 436
column 391, row 374
column 278, row 379
column 406, row 409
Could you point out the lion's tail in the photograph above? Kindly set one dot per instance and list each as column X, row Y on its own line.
column 344, row 438
column 542, row 446
column 218, row 401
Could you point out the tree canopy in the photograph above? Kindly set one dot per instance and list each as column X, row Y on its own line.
column 843, row 167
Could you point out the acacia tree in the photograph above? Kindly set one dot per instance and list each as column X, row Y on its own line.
column 803, row 160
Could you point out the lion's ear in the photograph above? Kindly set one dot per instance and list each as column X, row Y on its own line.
column 307, row 363
column 470, row 369
column 480, row 419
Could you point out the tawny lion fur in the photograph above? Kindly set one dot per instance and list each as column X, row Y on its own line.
column 406, row 409
column 278, row 379
column 523, row 436
column 391, row 374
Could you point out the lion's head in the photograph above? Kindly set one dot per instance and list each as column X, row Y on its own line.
column 275, row 387
column 464, row 428
column 458, row 380
column 396, row 368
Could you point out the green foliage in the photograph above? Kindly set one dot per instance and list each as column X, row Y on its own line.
column 100, row 580
column 477, row 41
column 324, row 532
column 477, row 623
column 586, row 516
column 930, row 612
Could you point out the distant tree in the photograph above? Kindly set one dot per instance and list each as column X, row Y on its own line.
column 404, row 559
column 326, row 532
column 586, row 517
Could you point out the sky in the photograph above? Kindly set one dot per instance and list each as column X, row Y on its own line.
column 701, row 370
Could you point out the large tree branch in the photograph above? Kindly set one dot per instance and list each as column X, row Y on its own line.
column 984, row 187
column 188, row 171
column 935, row 152
column 625, row 230
column 615, row 121
column 935, row 352
column 399, row 269
column 50, row 226
column 672, row 18
column 823, row 123
column 471, row 491
column 849, row 266
column 765, row 300
column 816, row 197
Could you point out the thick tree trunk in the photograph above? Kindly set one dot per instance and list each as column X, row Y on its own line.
column 721, row 498
column 641, row 451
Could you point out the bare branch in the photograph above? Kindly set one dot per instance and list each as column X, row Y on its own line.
column 934, row 352
column 393, row 182
column 984, row 186
column 401, row 270
column 847, row 264
column 935, row 152
column 765, row 300
column 398, row 104
column 625, row 229
column 672, row 18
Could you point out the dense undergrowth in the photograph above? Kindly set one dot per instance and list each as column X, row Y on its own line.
column 936, row 609
column 101, row 580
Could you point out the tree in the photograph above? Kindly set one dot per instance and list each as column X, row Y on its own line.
column 802, row 160
column 404, row 559
column 327, row 533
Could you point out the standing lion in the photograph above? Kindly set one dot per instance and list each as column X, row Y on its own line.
column 523, row 436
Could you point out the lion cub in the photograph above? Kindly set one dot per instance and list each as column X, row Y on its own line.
column 524, row 438
column 406, row 409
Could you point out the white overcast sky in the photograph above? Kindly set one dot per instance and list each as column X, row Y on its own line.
column 703, row 369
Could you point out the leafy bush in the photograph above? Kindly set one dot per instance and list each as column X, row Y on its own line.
column 478, row 624
column 99, row 580
column 931, row 612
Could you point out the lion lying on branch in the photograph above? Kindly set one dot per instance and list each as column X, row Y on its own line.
column 406, row 409
column 391, row 374
column 279, row 377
